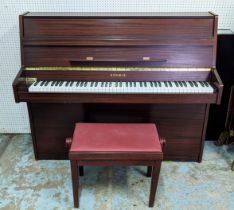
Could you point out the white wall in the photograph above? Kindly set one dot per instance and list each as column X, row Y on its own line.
column 14, row 117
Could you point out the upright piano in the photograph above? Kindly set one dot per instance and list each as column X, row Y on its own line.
column 118, row 67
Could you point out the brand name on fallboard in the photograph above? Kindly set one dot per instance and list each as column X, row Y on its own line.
column 118, row 75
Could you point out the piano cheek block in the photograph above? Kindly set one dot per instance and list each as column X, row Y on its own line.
column 125, row 68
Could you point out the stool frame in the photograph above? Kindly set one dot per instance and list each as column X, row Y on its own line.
column 151, row 159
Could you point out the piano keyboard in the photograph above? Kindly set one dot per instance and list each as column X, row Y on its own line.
column 120, row 87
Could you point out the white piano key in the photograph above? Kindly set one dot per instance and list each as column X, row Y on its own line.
column 121, row 87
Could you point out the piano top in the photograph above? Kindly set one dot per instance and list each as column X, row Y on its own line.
column 121, row 14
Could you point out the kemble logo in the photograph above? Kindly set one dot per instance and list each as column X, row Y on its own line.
column 117, row 75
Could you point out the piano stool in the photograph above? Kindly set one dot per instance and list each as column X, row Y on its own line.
column 115, row 145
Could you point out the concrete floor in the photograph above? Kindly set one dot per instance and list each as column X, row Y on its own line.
column 29, row 184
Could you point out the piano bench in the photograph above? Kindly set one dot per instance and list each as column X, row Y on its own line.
column 115, row 145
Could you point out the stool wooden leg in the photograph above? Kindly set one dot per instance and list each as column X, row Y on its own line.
column 149, row 171
column 75, row 182
column 154, row 182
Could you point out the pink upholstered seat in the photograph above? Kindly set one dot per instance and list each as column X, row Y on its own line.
column 115, row 138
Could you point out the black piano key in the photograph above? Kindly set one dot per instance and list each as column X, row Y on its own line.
column 130, row 84
column 91, row 84
column 96, row 84
column 201, row 83
column 170, row 84
column 145, row 84
column 134, row 83
column 35, row 83
column 165, row 83
column 184, row 83
column 176, row 83
column 159, row 84
column 77, row 84
column 191, row 84
column 206, row 84
column 102, row 84
column 60, row 83
column 71, row 83
column 195, row 84
column 85, row 84
column 53, row 83
column 67, row 83
column 106, row 84
column 180, row 84
column 151, row 84
column 110, row 84
column 120, row 84
column 42, row 83
column 140, row 84
column 155, row 84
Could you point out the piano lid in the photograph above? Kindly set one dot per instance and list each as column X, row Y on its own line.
column 120, row 14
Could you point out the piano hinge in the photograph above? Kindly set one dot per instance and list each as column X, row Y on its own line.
column 106, row 68
column 146, row 58
column 28, row 80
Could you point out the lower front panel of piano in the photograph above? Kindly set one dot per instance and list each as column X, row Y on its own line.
column 182, row 125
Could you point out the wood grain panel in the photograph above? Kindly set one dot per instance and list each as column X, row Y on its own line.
column 181, row 125
column 162, row 56
column 46, row 28
column 25, row 96
column 128, row 75
column 182, row 149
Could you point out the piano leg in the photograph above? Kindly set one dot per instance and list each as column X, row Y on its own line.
column 205, row 121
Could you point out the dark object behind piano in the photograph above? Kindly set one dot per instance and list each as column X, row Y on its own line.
column 225, row 68
column 227, row 136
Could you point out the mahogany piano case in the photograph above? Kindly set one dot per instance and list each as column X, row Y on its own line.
column 150, row 49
